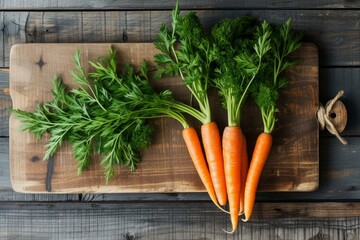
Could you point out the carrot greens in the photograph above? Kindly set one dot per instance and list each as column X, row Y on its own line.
column 185, row 51
column 265, row 92
column 266, row 89
column 107, row 113
column 241, row 47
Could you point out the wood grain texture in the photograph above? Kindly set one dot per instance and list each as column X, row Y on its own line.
column 332, row 186
column 347, row 79
column 4, row 164
column 166, row 167
column 185, row 4
column 339, row 174
column 331, row 80
column 5, row 103
column 335, row 32
column 169, row 221
column 6, row 191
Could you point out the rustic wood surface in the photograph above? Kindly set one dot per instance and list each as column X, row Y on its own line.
column 271, row 221
column 185, row 4
column 166, row 166
column 333, row 25
column 337, row 40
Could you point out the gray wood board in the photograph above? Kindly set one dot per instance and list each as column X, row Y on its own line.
column 5, row 104
column 185, row 4
column 336, row 32
column 175, row 221
column 347, row 79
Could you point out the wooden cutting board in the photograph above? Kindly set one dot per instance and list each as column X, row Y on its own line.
column 166, row 166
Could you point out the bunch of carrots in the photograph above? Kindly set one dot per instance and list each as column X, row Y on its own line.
column 240, row 58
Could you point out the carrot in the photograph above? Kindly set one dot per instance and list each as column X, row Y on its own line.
column 186, row 51
column 212, row 145
column 234, row 74
column 243, row 172
column 232, row 148
column 258, row 160
column 196, row 154
column 266, row 92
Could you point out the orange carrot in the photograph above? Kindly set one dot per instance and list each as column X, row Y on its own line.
column 232, row 144
column 244, row 171
column 196, row 154
column 212, row 145
column 266, row 92
column 258, row 160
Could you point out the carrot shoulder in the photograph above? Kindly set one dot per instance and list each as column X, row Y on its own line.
column 213, row 151
column 232, row 142
column 258, row 160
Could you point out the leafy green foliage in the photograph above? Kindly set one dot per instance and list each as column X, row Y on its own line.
column 240, row 46
column 266, row 89
column 186, row 51
column 106, row 113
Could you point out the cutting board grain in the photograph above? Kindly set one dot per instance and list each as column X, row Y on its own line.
column 165, row 167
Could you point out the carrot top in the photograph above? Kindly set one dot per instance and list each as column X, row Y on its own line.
column 240, row 48
column 270, row 80
column 107, row 113
column 186, row 51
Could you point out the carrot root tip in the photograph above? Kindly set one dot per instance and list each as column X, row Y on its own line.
column 222, row 209
column 231, row 232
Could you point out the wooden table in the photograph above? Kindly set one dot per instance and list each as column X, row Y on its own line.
column 332, row 212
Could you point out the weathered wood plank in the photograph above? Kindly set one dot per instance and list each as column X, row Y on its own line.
column 8, row 195
column 6, row 192
column 339, row 173
column 4, row 164
column 336, row 32
column 2, row 30
column 262, row 211
column 347, row 79
column 13, row 30
column 5, row 103
column 185, row 4
column 271, row 221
